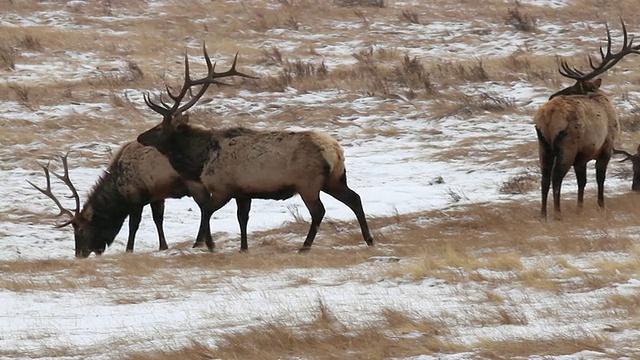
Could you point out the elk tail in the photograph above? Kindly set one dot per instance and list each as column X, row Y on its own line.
column 552, row 151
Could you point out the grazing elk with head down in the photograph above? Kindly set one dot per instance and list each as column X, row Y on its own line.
column 579, row 124
column 635, row 161
column 246, row 164
column 138, row 175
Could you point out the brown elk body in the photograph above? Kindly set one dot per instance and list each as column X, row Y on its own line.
column 635, row 161
column 573, row 130
column 245, row 164
column 137, row 175
column 577, row 125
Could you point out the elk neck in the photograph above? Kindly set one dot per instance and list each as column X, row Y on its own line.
column 110, row 208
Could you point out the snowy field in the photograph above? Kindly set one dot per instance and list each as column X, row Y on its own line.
column 401, row 170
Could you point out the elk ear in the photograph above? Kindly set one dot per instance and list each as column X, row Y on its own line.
column 87, row 213
column 596, row 84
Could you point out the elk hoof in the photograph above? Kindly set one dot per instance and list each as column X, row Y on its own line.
column 198, row 244
column 304, row 249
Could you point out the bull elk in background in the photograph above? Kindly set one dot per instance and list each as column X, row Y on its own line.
column 635, row 161
column 249, row 164
column 137, row 175
column 577, row 125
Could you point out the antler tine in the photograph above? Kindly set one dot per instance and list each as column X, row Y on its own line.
column 627, row 156
column 185, row 87
column 211, row 77
column 65, row 178
column 169, row 111
column 174, row 97
column 569, row 72
column 624, row 34
column 155, row 107
column 166, row 106
column 231, row 72
column 49, row 194
column 205, row 82
column 608, row 58
column 165, row 110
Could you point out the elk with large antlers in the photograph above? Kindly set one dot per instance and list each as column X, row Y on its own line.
column 138, row 175
column 579, row 124
column 246, row 164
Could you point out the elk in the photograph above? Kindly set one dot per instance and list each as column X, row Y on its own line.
column 579, row 124
column 137, row 175
column 245, row 164
column 635, row 161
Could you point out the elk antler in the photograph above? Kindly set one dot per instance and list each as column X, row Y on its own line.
column 627, row 155
column 169, row 111
column 49, row 193
column 608, row 60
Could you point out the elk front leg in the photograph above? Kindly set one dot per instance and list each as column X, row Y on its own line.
column 202, row 197
column 134, row 223
column 244, row 206
column 157, row 211
column 217, row 201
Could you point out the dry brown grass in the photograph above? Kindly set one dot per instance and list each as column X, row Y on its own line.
column 382, row 71
column 324, row 338
column 564, row 345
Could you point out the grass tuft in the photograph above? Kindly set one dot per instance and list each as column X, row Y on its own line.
column 361, row 3
column 521, row 21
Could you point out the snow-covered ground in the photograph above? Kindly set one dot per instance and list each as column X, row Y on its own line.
column 392, row 174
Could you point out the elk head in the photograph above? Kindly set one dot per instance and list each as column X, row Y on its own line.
column 86, row 237
column 585, row 83
column 174, row 117
column 635, row 161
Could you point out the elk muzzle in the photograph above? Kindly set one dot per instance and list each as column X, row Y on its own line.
column 82, row 253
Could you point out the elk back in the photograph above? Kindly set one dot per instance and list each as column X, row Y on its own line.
column 588, row 121
column 274, row 164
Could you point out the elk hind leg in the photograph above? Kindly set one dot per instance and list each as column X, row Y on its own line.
column 317, row 211
column 581, row 177
column 157, row 210
column 601, row 173
column 244, row 206
column 561, row 167
column 547, row 158
column 134, row 223
column 345, row 195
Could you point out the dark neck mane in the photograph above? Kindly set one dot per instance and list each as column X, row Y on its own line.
column 110, row 208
